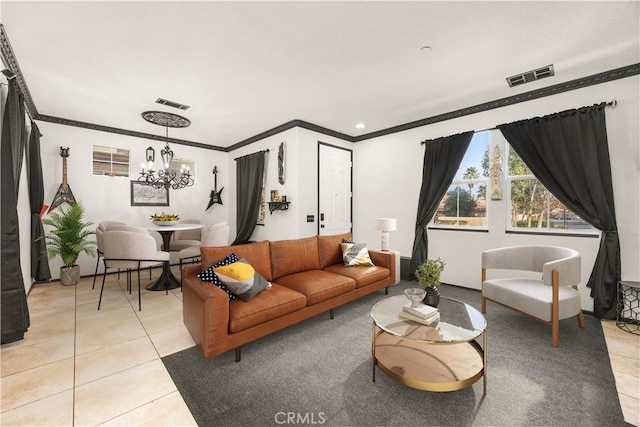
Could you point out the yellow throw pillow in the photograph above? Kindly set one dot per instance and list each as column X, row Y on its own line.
column 242, row 279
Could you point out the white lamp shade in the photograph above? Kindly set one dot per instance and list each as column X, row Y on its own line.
column 385, row 224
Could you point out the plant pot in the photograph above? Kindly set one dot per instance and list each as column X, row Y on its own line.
column 433, row 296
column 69, row 275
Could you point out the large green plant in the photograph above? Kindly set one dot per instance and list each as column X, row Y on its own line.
column 69, row 236
column 428, row 273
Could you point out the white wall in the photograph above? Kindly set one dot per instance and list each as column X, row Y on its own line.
column 109, row 198
column 389, row 177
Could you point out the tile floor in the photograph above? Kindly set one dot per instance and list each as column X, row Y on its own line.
column 81, row 367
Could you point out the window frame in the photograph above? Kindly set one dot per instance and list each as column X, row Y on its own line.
column 111, row 151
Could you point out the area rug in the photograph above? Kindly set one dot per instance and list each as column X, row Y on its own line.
column 319, row 372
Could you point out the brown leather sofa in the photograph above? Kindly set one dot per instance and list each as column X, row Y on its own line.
column 307, row 275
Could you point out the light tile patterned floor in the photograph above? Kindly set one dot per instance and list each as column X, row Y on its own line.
column 78, row 366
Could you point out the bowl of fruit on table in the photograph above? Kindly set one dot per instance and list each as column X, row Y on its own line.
column 165, row 219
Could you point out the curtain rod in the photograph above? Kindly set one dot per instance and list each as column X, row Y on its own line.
column 263, row 151
column 613, row 103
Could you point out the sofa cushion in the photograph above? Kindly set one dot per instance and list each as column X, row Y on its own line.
column 257, row 254
column 208, row 275
column 363, row 275
column 355, row 254
column 268, row 305
column 294, row 256
column 329, row 251
column 318, row 285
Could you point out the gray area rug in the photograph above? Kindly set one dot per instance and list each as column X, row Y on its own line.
column 319, row 372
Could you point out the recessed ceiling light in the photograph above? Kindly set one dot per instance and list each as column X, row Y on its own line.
column 360, row 126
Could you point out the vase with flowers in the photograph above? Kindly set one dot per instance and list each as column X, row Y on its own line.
column 428, row 275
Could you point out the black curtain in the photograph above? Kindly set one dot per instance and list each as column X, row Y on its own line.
column 15, row 313
column 249, row 179
column 569, row 154
column 39, row 260
column 442, row 159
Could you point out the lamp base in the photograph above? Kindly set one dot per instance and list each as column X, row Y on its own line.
column 384, row 244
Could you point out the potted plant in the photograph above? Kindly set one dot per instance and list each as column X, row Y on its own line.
column 68, row 238
column 428, row 275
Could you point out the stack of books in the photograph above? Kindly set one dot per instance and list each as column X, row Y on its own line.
column 424, row 314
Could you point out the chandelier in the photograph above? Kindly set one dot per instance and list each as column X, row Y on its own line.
column 165, row 177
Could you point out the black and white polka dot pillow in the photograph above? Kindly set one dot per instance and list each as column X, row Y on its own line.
column 209, row 276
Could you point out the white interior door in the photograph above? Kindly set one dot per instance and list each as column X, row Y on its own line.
column 334, row 189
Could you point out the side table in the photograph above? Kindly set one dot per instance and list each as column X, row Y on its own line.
column 628, row 309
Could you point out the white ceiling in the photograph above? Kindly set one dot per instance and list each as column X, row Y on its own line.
column 246, row 67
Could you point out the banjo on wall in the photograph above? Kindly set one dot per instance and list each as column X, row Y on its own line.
column 64, row 193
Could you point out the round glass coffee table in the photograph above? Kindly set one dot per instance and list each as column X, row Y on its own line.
column 443, row 356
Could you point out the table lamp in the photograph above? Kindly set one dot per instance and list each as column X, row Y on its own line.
column 385, row 225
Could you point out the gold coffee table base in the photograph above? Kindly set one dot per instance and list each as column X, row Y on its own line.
column 431, row 367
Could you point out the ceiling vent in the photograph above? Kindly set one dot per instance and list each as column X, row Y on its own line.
column 530, row 76
column 171, row 104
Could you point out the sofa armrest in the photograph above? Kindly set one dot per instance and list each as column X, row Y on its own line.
column 205, row 311
column 385, row 259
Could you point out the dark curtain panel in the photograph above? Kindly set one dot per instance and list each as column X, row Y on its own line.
column 15, row 313
column 39, row 260
column 249, row 177
column 569, row 154
column 442, row 159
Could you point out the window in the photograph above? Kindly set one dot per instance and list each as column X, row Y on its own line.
column 178, row 165
column 533, row 208
column 465, row 203
column 110, row 161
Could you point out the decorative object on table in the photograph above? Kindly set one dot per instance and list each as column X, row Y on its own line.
column 166, row 177
column 281, row 164
column 215, row 196
column 283, row 199
column 421, row 313
column 415, row 295
column 165, row 219
column 64, row 193
column 385, row 225
column 275, row 197
column 495, row 172
column 428, row 275
column 69, row 238
column 146, row 195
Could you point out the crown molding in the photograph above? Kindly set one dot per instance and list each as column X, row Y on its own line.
column 102, row 128
column 595, row 79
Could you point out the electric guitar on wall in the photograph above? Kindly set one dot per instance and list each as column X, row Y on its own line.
column 216, row 196
column 64, row 193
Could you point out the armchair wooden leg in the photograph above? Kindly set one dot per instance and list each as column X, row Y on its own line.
column 483, row 308
column 581, row 319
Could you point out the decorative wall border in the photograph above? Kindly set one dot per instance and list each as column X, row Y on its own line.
column 11, row 62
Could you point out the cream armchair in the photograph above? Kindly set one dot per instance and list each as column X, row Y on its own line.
column 184, row 238
column 549, row 299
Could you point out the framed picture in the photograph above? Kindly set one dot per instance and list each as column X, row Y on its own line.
column 146, row 195
column 275, row 197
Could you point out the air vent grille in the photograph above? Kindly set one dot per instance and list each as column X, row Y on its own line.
column 530, row 76
column 172, row 104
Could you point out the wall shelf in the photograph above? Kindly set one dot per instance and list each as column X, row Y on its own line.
column 278, row 206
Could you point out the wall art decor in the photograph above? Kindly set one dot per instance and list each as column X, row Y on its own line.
column 495, row 173
column 146, row 195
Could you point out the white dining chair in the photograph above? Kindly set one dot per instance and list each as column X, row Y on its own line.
column 130, row 250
